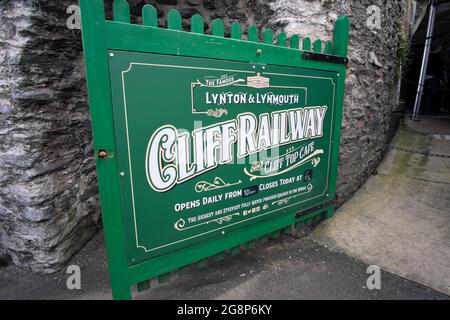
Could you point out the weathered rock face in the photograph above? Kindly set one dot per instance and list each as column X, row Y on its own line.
column 48, row 195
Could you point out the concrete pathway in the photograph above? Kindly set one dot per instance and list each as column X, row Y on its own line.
column 400, row 219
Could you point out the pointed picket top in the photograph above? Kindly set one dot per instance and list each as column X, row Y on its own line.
column 281, row 40
column 340, row 36
column 294, row 42
column 306, row 44
column 318, row 46
column 217, row 28
column 267, row 36
column 149, row 16
column 328, row 47
column 174, row 20
column 121, row 11
column 236, row 31
column 197, row 25
column 253, row 34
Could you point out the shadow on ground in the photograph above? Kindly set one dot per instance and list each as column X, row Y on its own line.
column 286, row 268
column 399, row 220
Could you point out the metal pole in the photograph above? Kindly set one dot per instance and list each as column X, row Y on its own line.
column 426, row 56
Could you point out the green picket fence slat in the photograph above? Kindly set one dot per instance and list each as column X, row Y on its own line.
column 174, row 21
column 149, row 16
column 328, row 47
column 164, row 278
column 197, row 24
column 306, row 44
column 267, row 36
column 234, row 251
column 253, row 34
column 281, row 40
column 202, row 264
column 341, row 36
column 121, row 11
column 219, row 257
column 144, row 285
column 217, row 28
column 236, row 31
column 318, row 46
column 294, row 42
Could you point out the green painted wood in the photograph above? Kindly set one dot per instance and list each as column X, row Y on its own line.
column 236, row 31
column 340, row 36
column 195, row 45
column 202, row 264
column 219, row 257
column 197, row 24
column 149, row 16
column 268, row 36
column 253, row 35
column 143, row 286
column 329, row 47
column 164, row 278
column 250, row 245
column 235, row 251
column 306, row 44
column 328, row 214
column 275, row 234
column 281, row 40
column 102, row 38
column 287, row 230
column 174, row 21
column 318, row 46
column 295, row 42
column 264, row 240
column 121, row 11
column 184, row 270
column 217, row 28
column 97, row 74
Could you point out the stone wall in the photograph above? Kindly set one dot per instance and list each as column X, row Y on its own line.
column 48, row 194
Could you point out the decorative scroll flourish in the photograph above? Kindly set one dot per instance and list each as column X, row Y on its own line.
column 218, row 183
column 225, row 219
column 217, row 113
column 179, row 225
column 315, row 162
column 285, row 201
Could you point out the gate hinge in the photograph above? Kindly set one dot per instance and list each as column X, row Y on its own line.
column 324, row 57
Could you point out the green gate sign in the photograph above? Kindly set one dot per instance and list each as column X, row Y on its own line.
column 206, row 143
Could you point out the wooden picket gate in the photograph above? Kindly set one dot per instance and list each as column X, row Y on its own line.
column 106, row 40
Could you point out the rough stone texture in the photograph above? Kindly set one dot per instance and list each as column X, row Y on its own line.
column 48, row 194
column 370, row 86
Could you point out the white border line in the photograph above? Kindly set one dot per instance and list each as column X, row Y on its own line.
column 225, row 70
column 194, row 84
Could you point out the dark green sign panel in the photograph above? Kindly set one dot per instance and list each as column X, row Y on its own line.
column 205, row 143
column 208, row 147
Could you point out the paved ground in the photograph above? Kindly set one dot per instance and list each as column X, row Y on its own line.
column 286, row 268
column 400, row 219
